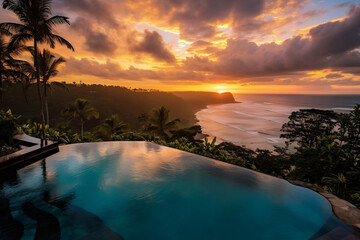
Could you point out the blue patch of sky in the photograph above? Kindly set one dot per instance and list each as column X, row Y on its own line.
column 332, row 9
column 169, row 37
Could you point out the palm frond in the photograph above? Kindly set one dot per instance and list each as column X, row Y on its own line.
column 55, row 20
column 62, row 41
column 52, row 71
column 20, row 8
column 18, row 39
column 173, row 124
column 45, row 8
column 11, row 27
column 60, row 85
column 5, row 32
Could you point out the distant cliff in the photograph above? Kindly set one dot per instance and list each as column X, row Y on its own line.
column 202, row 99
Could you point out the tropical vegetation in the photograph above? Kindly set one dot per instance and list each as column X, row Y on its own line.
column 81, row 110
column 35, row 24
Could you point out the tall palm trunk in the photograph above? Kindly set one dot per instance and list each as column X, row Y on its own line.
column 82, row 129
column 1, row 90
column 47, row 120
column 36, row 63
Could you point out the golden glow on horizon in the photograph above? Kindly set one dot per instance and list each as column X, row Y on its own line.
column 180, row 40
column 206, row 87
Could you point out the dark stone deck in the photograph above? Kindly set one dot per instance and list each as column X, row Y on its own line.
column 33, row 152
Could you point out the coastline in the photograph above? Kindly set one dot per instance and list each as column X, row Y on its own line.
column 236, row 123
column 255, row 120
column 342, row 209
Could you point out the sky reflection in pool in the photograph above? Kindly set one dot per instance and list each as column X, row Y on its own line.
column 144, row 191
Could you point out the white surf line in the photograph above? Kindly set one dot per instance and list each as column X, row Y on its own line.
column 342, row 109
column 259, row 117
column 282, row 113
column 257, row 134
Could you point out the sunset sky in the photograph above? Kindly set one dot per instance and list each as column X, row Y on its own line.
column 244, row 46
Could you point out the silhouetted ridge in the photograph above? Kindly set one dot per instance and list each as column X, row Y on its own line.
column 108, row 100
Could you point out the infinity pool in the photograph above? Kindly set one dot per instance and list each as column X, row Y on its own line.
column 139, row 190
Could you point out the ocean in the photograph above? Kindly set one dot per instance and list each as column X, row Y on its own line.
column 256, row 119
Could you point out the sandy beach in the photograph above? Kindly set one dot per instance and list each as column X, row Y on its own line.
column 255, row 121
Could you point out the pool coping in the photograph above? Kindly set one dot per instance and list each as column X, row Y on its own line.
column 343, row 210
column 32, row 153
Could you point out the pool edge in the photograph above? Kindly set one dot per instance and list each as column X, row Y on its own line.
column 342, row 209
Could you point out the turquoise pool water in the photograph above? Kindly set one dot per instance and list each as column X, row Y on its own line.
column 138, row 190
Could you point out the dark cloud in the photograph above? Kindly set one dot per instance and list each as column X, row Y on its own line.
column 84, row 66
column 337, row 37
column 330, row 45
column 351, row 70
column 345, row 82
column 153, row 44
column 199, row 64
column 196, row 30
column 94, row 10
column 197, row 18
column 113, row 71
column 333, row 76
column 201, row 46
column 95, row 41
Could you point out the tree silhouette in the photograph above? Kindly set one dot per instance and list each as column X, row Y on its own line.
column 36, row 24
column 82, row 110
column 159, row 123
column 9, row 67
column 113, row 125
column 48, row 65
column 306, row 125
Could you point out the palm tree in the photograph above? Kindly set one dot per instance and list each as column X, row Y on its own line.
column 336, row 184
column 36, row 24
column 48, row 65
column 5, row 61
column 159, row 123
column 113, row 125
column 9, row 67
column 82, row 110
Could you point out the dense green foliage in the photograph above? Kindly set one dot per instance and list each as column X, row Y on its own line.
column 111, row 126
column 306, row 125
column 158, row 124
column 327, row 150
column 81, row 110
column 8, row 128
column 108, row 100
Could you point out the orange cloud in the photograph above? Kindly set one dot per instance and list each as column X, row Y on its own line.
column 202, row 44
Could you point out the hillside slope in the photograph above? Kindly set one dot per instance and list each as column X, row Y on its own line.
column 128, row 104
